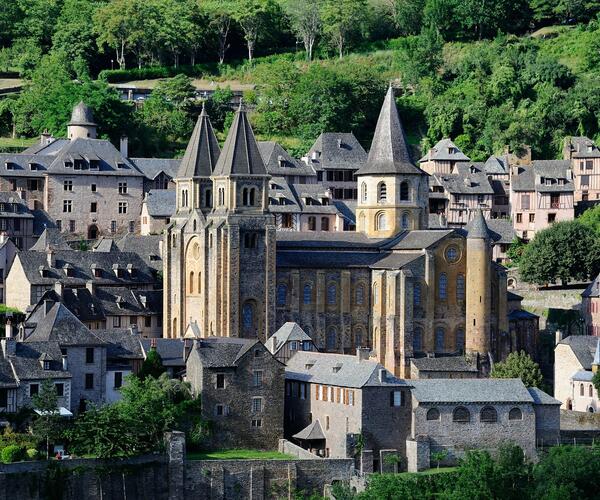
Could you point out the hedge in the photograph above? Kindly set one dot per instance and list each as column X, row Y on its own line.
column 12, row 453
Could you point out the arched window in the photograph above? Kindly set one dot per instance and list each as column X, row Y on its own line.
column 245, row 196
column 358, row 338
column 591, row 391
column 248, row 316
column 363, row 191
column 380, row 222
column 461, row 414
column 443, row 286
column 433, row 414
column 307, row 293
column 381, row 192
column 417, row 294
column 208, row 198
column 252, row 197
column 581, row 390
column 375, row 293
column 460, row 339
column 174, row 240
column 281, row 294
column 404, row 196
column 199, row 287
column 332, row 294
column 515, row 414
column 488, row 414
column 440, row 338
column 191, row 283
column 405, row 222
column 460, row 288
column 359, row 295
column 417, row 339
column 331, row 339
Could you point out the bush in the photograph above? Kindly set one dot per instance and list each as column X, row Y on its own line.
column 150, row 72
column 32, row 454
column 11, row 453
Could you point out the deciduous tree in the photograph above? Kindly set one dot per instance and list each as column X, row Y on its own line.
column 341, row 18
column 305, row 18
column 519, row 365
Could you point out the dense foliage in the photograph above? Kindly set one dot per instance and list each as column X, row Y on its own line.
column 519, row 365
column 564, row 472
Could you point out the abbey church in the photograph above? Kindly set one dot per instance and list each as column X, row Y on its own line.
column 393, row 285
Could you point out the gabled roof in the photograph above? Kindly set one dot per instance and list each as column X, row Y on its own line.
column 279, row 162
column 336, row 150
column 583, row 347
column 222, row 352
column 26, row 361
column 583, row 147
column 121, row 344
column 593, row 289
column 148, row 247
column 61, row 325
column 338, row 369
column 51, row 238
column 288, row 332
column 312, row 432
column 153, row 167
column 542, row 398
column 471, row 390
column 445, row 150
column 444, row 364
column 240, row 155
column 170, row 350
column 202, row 151
column 161, row 202
column 499, row 230
column 389, row 153
column 496, row 165
column 105, row 244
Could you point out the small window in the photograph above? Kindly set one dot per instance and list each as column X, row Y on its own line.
column 257, row 378
column 488, row 414
column 396, row 398
column 122, row 207
column 417, row 339
column 417, row 294
column 34, row 389
column 312, row 223
column 257, row 422
column 67, row 206
column 515, row 414
column 359, row 296
column 281, row 294
column 89, row 381
column 443, row 286
column 220, row 381
column 60, row 389
column 324, row 223
column 89, row 355
column 93, row 207
column 381, row 192
column 307, row 294
column 460, row 288
column 404, row 191
column 68, row 185
column 332, row 295
column 122, row 188
column 433, row 414
column 93, row 188
column 461, row 414
column 257, row 405
column 118, row 380
column 363, row 192
column 440, row 340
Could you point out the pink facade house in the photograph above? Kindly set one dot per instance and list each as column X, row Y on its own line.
column 584, row 156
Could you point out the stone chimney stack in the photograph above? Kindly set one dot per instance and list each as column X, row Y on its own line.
column 124, row 146
column 50, row 257
column 89, row 284
column 59, row 288
column 65, row 364
column 8, row 329
column 363, row 353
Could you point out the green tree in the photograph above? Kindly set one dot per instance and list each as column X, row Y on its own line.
column 220, row 15
column 591, row 219
column 47, row 425
column 596, row 381
column 219, row 106
column 305, row 19
column 37, row 19
column 565, row 251
column 341, row 19
column 519, row 365
column 151, row 367
column 515, row 250
column 251, row 16
column 407, row 15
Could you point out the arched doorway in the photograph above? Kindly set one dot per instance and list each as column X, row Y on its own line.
column 93, row 232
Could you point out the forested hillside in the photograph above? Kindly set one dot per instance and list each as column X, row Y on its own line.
column 488, row 73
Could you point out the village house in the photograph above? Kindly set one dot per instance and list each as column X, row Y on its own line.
column 287, row 341
column 442, row 158
column 590, row 307
column 157, row 209
column 584, row 156
column 279, row 163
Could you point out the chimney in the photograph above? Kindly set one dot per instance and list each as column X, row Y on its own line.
column 3, row 237
column 47, row 306
column 382, row 375
column 58, row 288
column 89, row 284
column 160, row 248
column 124, row 146
column 133, row 330
column 46, row 138
column 558, row 336
column 50, row 257
column 8, row 329
column 65, row 365
column 9, row 347
column 362, row 353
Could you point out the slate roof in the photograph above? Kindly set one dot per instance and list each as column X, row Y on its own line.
column 46, row 148
column 327, row 240
column 521, row 314
column 478, row 227
column 7, row 376
column 105, row 244
column 161, row 202
column 469, row 179
column 496, row 165
column 14, row 207
column 20, row 164
column 82, row 115
column 147, row 247
column 279, row 162
column 152, row 167
column 52, row 238
column 81, row 268
column 222, row 352
column 336, row 150
column 471, row 390
column 280, row 190
column 593, row 289
column 584, row 348
column 445, row 150
column 170, row 350
column 444, row 364
column 311, row 432
column 420, row 239
column 529, row 178
column 240, row 155
column 389, row 153
column 579, row 147
column 500, row 230
column 338, row 369
column 121, row 344
column 26, row 361
column 542, row 398
column 288, row 332
column 60, row 325
column 340, row 260
column 202, row 151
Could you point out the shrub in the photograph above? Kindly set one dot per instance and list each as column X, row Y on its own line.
column 32, row 454
column 11, row 453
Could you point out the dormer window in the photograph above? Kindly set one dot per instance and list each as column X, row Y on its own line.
column 119, row 301
column 43, row 272
column 46, row 365
column 68, row 269
column 121, row 165
column 118, row 270
column 143, row 301
column 337, row 368
column 94, row 164
column 309, row 365
column 10, row 165
column 281, row 161
column 33, row 166
column 451, row 150
column 590, row 148
column 68, row 164
column 96, row 271
column 131, row 270
column 340, row 143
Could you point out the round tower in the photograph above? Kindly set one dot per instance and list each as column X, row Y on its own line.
column 82, row 123
column 478, row 293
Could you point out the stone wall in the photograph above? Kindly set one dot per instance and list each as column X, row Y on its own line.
column 290, row 448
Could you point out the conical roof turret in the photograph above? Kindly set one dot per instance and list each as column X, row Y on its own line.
column 240, row 155
column 389, row 153
column 478, row 228
column 82, row 115
column 202, row 152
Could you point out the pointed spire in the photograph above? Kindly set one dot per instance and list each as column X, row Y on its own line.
column 202, row 151
column 478, row 228
column 240, row 152
column 389, row 152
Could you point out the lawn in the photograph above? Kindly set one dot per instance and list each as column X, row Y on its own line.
column 238, row 455
column 428, row 472
column 17, row 142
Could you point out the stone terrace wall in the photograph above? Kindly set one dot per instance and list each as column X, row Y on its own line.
column 261, row 479
column 290, row 448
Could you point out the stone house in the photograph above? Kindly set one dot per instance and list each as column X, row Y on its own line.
column 590, row 307
column 336, row 157
column 157, row 209
column 541, row 194
column 242, row 390
column 576, row 359
column 333, row 401
column 523, row 328
column 33, row 273
column 16, row 220
column 458, row 415
column 279, row 163
column 158, row 172
column 8, row 250
column 584, row 156
column 442, row 158
column 288, row 340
